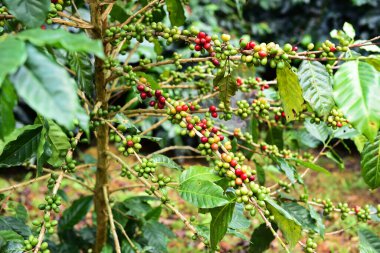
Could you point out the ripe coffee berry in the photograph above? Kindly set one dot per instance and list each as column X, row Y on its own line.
column 204, row 139
column 233, row 163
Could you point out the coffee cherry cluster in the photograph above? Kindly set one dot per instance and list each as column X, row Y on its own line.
column 310, row 246
column 271, row 53
column 328, row 207
column 125, row 173
column 161, row 180
column 363, row 214
column 260, row 108
column 285, row 186
column 96, row 118
column 52, row 203
column 146, row 168
column 227, row 112
column 129, row 145
column 244, row 110
column 210, row 142
column 212, row 110
column 279, row 114
column 51, row 181
column 32, row 242
column 129, row 76
column 3, row 11
column 55, row 6
column 336, row 119
column 49, row 225
column 178, row 112
column 344, row 209
column 70, row 165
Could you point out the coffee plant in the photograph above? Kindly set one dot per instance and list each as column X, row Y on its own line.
column 138, row 82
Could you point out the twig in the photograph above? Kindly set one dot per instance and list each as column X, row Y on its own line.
column 14, row 187
column 133, row 246
column 154, row 126
column 112, row 225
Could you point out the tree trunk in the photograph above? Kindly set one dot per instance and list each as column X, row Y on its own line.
column 101, row 133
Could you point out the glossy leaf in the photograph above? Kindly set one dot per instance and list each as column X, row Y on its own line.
column 303, row 216
column 239, row 221
column 12, row 55
column 226, row 81
column 221, row 217
column 8, row 99
column 31, row 12
column 81, row 64
column 203, row 194
column 198, row 173
column 311, row 166
column 287, row 168
column 165, row 161
column 75, row 213
column 10, row 236
column 356, row 89
column 370, row 163
column 62, row 39
column 14, row 224
column 374, row 60
column 20, row 145
column 369, row 242
column 290, row 92
column 288, row 225
column 316, row 86
column 176, row 12
column 261, row 239
column 319, row 131
column 54, row 98
column 157, row 235
column 123, row 120
column 151, row 80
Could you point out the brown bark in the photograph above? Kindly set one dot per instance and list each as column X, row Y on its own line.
column 101, row 133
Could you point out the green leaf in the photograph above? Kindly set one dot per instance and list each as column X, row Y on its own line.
column 31, row 12
column 319, row 131
column 165, row 161
column 221, row 217
column 288, row 225
column 8, row 99
column 290, row 91
column 137, row 207
column 356, row 89
column 10, row 236
column 13, row 247
column 18, row 210
column 81, row 64
column 75, row 213
column 336, row 158
column 12, row 223
column 226, row 81
column 176, row 12
column 349, row 30
column 151, row 80
column 12, row 55
column 287, row 168
column 316, row 86
column 239, row 221
column 317, row 217
column 303, row 216
column 369, row 242
column 123, row 120
column 63, row 39
column 360, row 141
column 198, row 173
column 370, row 163
column 20, row 145
column 374, row 60
column 311, row 165
column 260, row 174
column 158, row 140
column 202, row 194
column 369, row 47
column 54, row 98
column 157, row 235
column 261, row 239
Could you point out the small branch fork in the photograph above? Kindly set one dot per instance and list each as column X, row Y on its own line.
column 54, row 192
